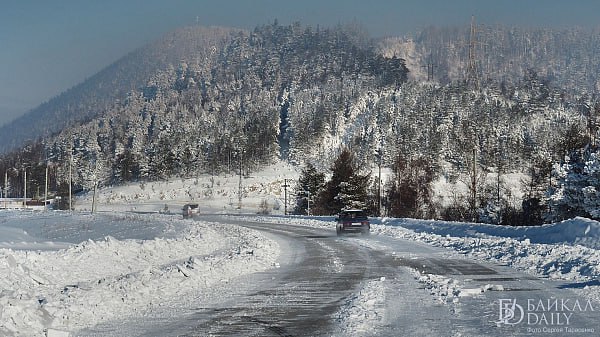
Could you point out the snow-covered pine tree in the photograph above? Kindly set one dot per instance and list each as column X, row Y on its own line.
column 577, row 190
column 309, row 185
column 347, row 187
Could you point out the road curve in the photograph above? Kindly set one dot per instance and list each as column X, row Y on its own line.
column 300, row 298
column 321, row 275
column 322, row 272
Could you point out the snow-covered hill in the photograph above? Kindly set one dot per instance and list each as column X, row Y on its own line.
column 213, row 193
column 246, row 99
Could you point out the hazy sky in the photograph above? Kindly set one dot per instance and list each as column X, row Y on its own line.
column 47, row 46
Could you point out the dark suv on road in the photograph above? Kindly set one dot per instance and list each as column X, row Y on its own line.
column 353, row 220
column 189, row 210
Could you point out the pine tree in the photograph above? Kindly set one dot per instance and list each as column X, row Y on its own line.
column 309, row 185
column 410, row 193
column 577, row 191
column 347, row 187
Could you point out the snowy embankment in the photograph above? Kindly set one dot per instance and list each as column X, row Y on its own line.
column 555, row 251
column 577, row 231
column 362, row 312
column 52, row 292
column 566, row 250
column 218, row 193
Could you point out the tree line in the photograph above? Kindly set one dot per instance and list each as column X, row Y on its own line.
column 409, row 192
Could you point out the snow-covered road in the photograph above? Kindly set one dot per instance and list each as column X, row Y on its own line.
column 382, row 286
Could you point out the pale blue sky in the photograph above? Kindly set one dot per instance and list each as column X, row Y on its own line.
column 47, row 46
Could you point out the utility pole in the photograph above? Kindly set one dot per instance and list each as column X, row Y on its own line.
column 308, row 203
column 5, row 189
column 240, row 185
column 474, row 186
column 46, row 190
column 70, row 181
column 24, row 188
column 95, row 177
column 430, row 66
column 379, row 189
column 229, row 162
column 498, row 201
column 94, row 196
column 285, row 186
column 379, row 156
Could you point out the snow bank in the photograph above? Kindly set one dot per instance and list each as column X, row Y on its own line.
column 363, row 312
column 559, row 253
column 514, row 246
column 578, row 231
column 54, row 293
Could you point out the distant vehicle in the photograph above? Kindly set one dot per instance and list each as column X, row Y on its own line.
column 189, row 210
column 353, row 220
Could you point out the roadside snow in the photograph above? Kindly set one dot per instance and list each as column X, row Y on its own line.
column 63, row 272
column 553, row 251
column 363, row 312
column 56, row 292
column 577, row 231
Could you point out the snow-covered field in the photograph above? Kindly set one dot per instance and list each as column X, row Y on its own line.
column 63, row 272
column 219, row 193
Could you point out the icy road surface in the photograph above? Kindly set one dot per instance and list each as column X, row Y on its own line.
column 377, row 286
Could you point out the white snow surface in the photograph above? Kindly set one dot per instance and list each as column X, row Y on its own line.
column 219, row 193
column 362, row 312
column 54, row 289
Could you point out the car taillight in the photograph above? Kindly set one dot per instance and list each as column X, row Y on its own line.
column 365, row 222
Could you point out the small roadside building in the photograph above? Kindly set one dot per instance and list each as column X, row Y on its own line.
column 20, row 203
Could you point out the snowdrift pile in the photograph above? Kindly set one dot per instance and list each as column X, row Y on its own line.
column 567, row 250
column 55, row 292
column 577, row 231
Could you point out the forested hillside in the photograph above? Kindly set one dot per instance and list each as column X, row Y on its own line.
column 99, row 93
column 566, row 57
column 220, row 106
column 218, row 100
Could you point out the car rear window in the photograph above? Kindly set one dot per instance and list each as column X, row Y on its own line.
column 353, row 215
